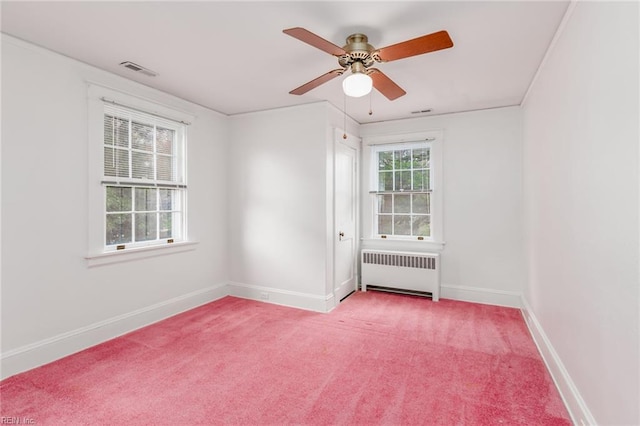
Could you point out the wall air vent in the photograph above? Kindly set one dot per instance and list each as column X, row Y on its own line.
column 137, row 68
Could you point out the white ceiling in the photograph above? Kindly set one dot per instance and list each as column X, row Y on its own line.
column 233, row 57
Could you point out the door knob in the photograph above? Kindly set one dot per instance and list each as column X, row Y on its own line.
column 341, row 235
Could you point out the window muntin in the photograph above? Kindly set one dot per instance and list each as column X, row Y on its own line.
column 402, row 195
column 148, row 154
column 143, row 179
column 138, row 214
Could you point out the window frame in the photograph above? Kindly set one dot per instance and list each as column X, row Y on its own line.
column 376, row 191
column 137, row 184
column 101, row 100
column 376, row 143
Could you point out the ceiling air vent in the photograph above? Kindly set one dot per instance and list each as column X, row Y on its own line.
column 138, row 68
column 422, row 111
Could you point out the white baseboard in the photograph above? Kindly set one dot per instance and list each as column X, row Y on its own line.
column 578, row 410
column 486, row 296
column 39, row 353
column 310, row 302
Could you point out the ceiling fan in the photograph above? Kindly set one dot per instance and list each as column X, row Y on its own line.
column 359, row 56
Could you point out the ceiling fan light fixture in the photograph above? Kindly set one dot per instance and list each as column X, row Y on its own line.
column 357, row 85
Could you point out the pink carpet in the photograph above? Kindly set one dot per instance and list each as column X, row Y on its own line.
column 377, row 359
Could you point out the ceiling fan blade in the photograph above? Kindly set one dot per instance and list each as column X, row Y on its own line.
column 385, row 85
column 417, row 46
column 315, row 41
column 317, row 82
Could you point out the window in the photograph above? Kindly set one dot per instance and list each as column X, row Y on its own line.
column 403, row 206
column 143, row 179
column 403, row 189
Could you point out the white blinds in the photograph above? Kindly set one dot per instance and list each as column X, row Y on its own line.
column 143, row 149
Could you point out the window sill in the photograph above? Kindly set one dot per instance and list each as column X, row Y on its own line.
column 128, row 255
column 402, row 244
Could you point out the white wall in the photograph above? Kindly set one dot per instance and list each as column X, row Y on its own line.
column 580, row 128
column 281, row 205
column 482, row 259
column 52, row 302
column 277, row 204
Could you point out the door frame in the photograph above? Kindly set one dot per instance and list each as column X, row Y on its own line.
column 354, row 143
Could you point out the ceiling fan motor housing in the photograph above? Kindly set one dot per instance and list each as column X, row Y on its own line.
column 358, row 50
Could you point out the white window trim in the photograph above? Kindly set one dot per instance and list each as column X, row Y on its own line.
column 372, row 144
column 136, row 253
column 96, row 253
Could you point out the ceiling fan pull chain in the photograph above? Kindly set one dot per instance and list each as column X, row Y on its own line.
column 370, row 109
column 344, row 111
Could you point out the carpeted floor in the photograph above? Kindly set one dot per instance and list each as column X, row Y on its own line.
column 376, row 359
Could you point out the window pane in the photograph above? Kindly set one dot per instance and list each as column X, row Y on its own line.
column 402, row 203
column 422, row 226
column 166, row 199
column 116, row 129
column 421, row 180
column 404, row 172
column 164, row 140
column 141, row 136
column 165, row 225
column 116, row 162
column 402, row 224
column 385, row 203
column 146, row 226
column 422, row 203
column 420, row 158
column 118, row 229
column 146, row 199
column 402, row 159
column 403, row 181
column 118, row 199
column 142, row 167
column 385, row 225
column 385, row 160
column 385, row 181
column 165, row 167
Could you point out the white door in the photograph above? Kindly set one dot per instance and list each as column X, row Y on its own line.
column 345, row 217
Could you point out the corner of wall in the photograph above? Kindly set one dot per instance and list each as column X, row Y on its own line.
column 554, row 40
column 578, row 410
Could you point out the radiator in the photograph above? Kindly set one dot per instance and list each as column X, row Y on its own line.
column 402, row 271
